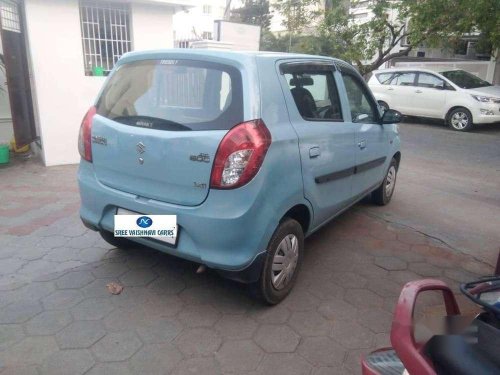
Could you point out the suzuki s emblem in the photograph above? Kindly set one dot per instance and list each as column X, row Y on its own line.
column 141, row 148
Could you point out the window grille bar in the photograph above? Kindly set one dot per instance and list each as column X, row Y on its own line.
column 105, row 33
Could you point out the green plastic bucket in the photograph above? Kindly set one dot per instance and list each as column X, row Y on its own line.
column 4, row 153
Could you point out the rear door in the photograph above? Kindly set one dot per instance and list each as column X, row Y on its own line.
column 159, row 124
column 430, row 95
column 371, row 138
column 326, row 141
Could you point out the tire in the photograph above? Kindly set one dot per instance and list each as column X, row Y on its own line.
column 460, row 119
column 288, row 242
column 384, row 192
column 383, row 105
column 119, row 242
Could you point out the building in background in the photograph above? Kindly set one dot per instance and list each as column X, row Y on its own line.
column 57, row 54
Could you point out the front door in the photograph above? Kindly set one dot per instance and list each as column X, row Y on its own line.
column 326, row 141
column 17, row 72
column 430, row 95
column 371, row 138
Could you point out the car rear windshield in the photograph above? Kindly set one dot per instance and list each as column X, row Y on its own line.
column 174, row 95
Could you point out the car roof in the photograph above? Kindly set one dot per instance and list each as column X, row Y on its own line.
column 221, row 54
column 414, row 69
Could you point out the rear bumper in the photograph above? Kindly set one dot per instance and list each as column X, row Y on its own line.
column 228, row 232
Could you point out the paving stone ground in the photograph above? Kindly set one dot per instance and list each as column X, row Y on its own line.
column 57, row 317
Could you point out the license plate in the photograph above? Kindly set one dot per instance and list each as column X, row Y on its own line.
column 134, row 224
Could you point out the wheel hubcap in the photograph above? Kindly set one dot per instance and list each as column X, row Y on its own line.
column 390, row 181
column 459, row 120
column 285, row 261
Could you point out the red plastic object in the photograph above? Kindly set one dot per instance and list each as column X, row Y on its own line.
column 402, row 338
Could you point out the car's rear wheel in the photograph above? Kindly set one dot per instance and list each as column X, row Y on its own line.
column 283, row 261
column 384, row 192
column 460, row 119
column 383, row 105
column 119, row 242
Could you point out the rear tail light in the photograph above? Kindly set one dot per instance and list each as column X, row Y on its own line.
column 240, row 155
column 84, row 137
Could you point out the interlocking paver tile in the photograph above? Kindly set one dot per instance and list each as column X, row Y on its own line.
column 155, row 359
column 270, row 314
column 160, row 331
column 48, row 322
column 349, row 280
column 23, row 370
column 301, row 300
column 80, row 334
column 30, row 351
column 68, row 362
column 284, row 364
column 62, row 299
column 236, row 326
column 167, row 285
column 361, row 298
column 199, row 315
column 198, row 342
column 425, row 269
column 74, row 280
column 391, row 263
column 310, row 323
column 238, row 356
column 19, row 312
column 10, row 334
column 337, row 309
column 110, row 368
column 116, row 346
column 191, row 366
column 321, row 351
column 138, row 277
column 351, row 335
column 94, row 308
column 108, row 269
column 375, row 319
column 277, row 338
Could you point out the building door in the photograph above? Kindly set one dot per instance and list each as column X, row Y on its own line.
column 17, row 72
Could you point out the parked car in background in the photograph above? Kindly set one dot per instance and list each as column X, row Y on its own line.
column 251, row 151
column 460, row 98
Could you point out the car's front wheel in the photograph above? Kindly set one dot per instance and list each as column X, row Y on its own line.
column 460, row 119
column 283, row 261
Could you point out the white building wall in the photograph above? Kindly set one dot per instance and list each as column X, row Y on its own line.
column 62, row 92
column 194, row 21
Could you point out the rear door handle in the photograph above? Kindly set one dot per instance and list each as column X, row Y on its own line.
column 390, row 89
column 362, row 144
column 418, row 91
column 314, row 152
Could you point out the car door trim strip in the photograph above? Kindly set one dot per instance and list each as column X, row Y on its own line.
column 350, row 171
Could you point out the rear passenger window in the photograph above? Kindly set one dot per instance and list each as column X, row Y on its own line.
column 315, row 94
column 403, row 79
column 363, row 109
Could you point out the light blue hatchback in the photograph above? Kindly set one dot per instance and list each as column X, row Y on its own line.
column 251, row 151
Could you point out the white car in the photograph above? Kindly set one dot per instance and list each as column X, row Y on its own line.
column 456, row 96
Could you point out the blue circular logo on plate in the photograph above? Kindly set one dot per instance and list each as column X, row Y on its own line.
column 144, row 222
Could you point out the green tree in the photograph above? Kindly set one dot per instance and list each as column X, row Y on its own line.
column 396, row 28
column 253, row 12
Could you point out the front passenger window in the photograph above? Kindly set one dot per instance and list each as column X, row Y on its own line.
column 315, row 94
column 363, row 109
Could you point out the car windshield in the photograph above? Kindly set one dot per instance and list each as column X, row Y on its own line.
column 465, row 79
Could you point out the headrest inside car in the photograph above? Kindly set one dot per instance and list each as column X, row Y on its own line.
column 301, row 81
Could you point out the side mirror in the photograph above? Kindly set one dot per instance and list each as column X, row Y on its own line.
column 391, row 116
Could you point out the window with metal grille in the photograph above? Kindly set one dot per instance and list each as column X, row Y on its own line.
column 106, row 34
column 10, row 16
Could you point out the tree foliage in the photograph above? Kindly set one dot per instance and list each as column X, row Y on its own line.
column 253, row 12
column 396, row 28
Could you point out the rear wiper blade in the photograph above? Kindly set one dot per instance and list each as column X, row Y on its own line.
column 151, row 123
